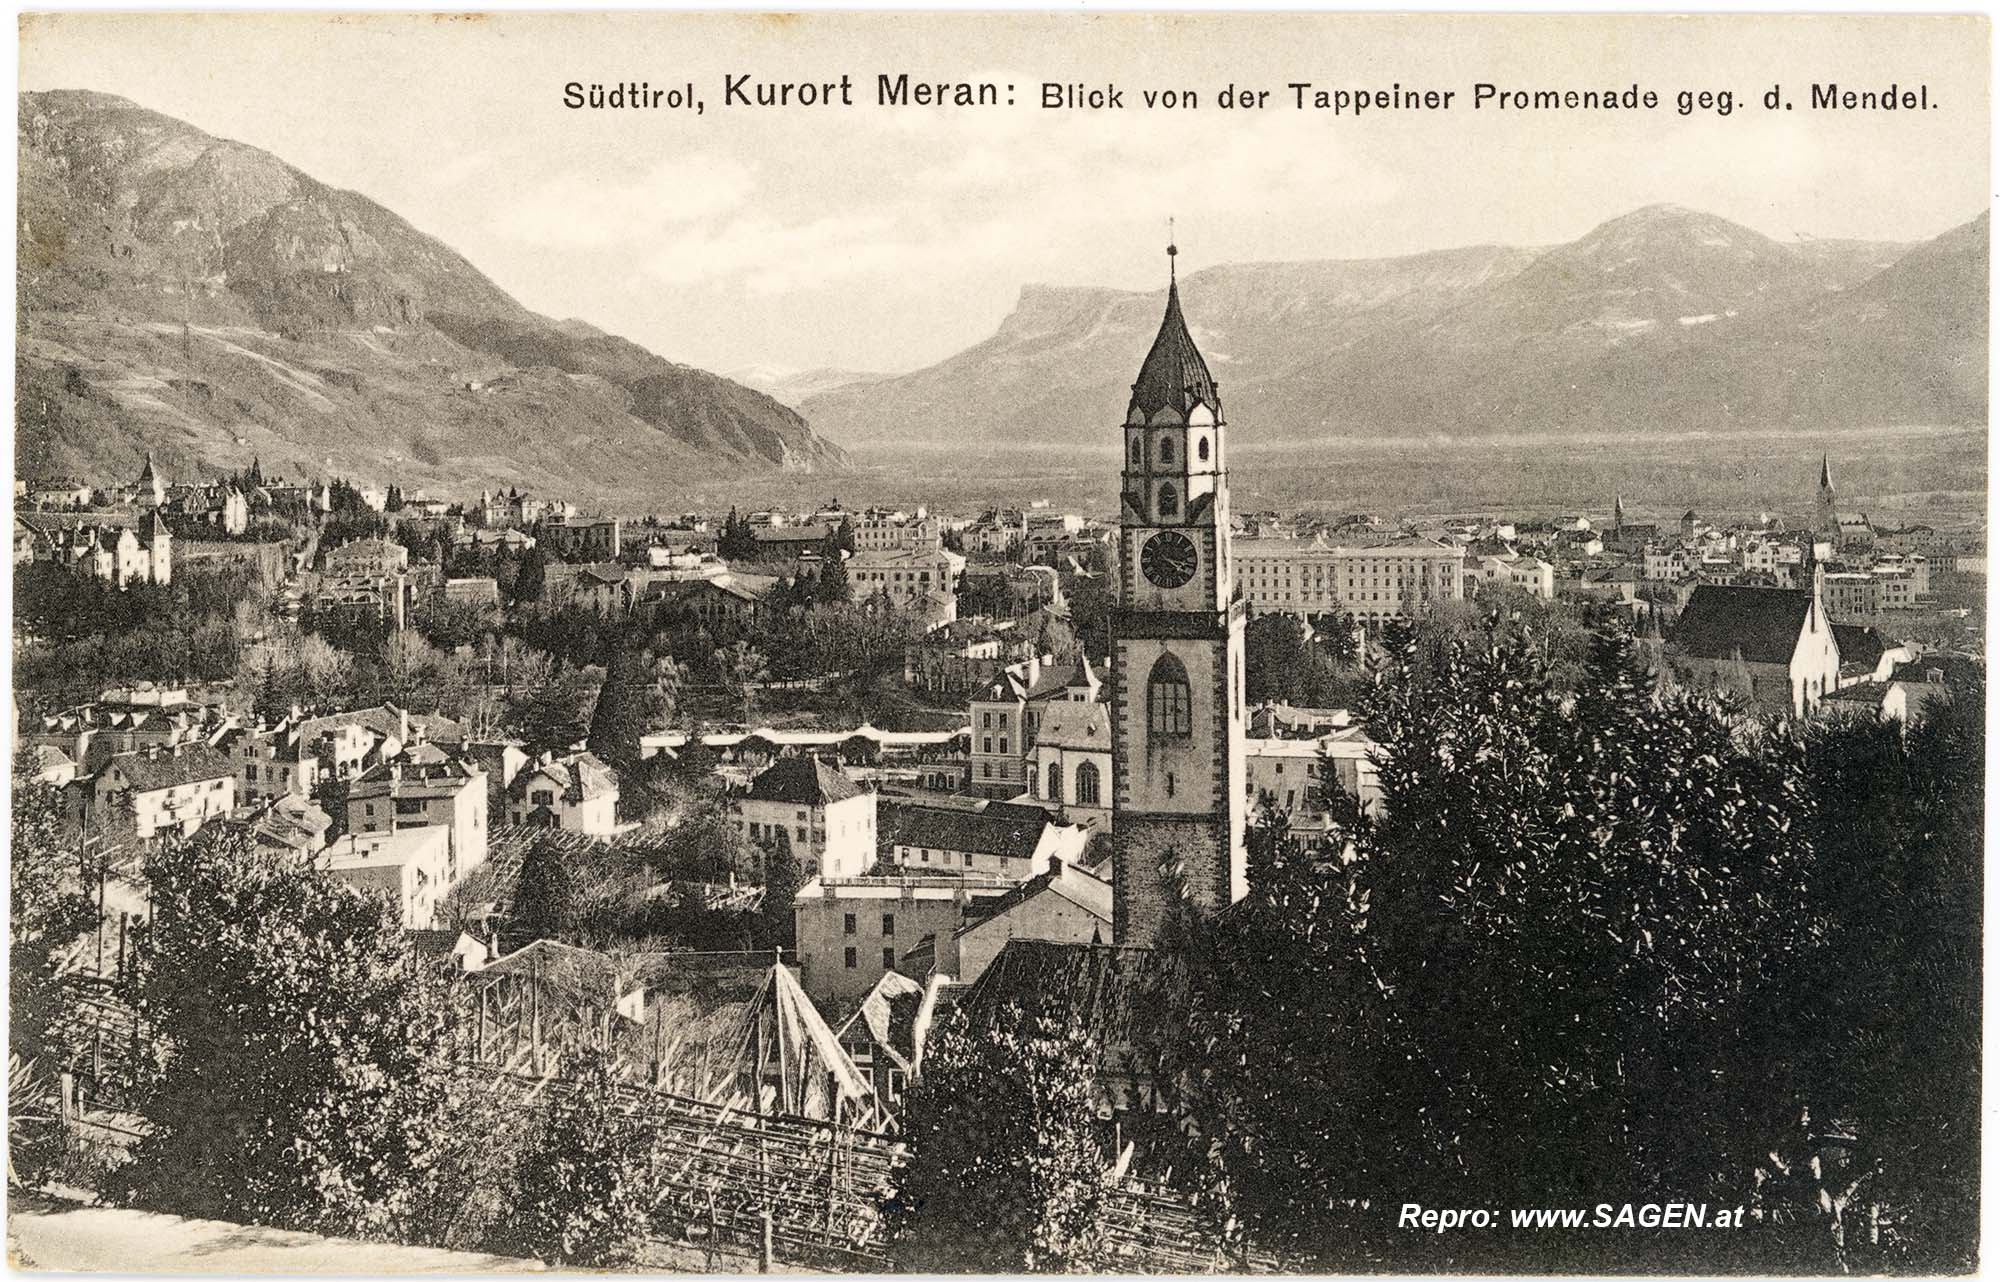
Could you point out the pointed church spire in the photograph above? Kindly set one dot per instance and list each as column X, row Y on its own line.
column 1174, row 375
column 1825, row 474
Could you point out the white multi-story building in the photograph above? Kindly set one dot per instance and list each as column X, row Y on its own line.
column 825, row 818
column 1373, row 582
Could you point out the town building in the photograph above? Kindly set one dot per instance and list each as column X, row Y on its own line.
column 424, row 790
column 1295, row 777
column 363, row 558
column 922, row 580
column 994, row 839
column 121, row 547
column 1374, row 582
column 411, row 867
column 1177, row 644
column 954, row 659
column 1071, row 761
column 882, row 531
column 1773, row 646
column 478, row 590
column 581, row 538
column 576, row 793
column 853, row 930
column 127, row 719
column 1061, row 905
column 1005, row 713
column 159, row 792
column 825, row 818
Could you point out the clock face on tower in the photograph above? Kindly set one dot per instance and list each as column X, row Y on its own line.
column 1168, row 559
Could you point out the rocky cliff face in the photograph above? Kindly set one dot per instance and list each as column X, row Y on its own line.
column 204, row 299
column 1665, row 318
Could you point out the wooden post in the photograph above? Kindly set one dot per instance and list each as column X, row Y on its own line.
column 100, row 918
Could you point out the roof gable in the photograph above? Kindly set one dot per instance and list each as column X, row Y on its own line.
column 1762, row 625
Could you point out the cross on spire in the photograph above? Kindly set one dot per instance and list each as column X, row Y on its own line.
column 1172, row 252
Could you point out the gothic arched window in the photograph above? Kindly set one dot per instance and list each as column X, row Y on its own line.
column 1167, row 450
column 1087, row 792
column 1202, row 446
column 1169, row 700
column 1170, row 501
column 1138, row 452
column 1055, row 782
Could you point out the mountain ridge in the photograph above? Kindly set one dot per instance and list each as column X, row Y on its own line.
column 1663, row 317
column 202, row 298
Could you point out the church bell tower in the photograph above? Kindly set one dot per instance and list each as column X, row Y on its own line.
column 1177, row 647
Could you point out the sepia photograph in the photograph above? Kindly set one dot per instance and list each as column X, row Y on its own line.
column 998, row 642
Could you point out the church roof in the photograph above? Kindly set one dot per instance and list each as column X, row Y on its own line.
column 1760, row 624
column 1174, row 374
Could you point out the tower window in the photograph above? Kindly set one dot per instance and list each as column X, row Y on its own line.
column 1166, row 449
column 1138, row 452
column 1055, row 781
column 1087, row 792
column 1201, row 447
column 1170, row 501
column 1169, row 702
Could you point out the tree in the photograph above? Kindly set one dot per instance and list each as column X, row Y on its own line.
column 581, row 1181
column 1887, row 1041
column 831, row 586
column 742, row 666
column 1542, row 969
column 297, row 1072
column 49, row 912
column 782, row 879
column 547, row 902
column 621, row 715
column 533, row 577
column 1003, row 1169
column 736, row 542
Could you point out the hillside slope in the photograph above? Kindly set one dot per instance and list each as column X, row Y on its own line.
column 1663, row 319
column 205, row 300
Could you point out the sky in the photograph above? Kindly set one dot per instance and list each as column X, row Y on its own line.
column 886, row 238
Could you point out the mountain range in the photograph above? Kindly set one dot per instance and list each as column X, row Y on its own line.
column 1663, row 319
column 202, row 299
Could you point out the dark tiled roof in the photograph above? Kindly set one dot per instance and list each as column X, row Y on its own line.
column 1174, row 375
column 1858, row 645
column 803, row 781
column 150, row 770
column 1761, row 623
column 1013, row 833
column 582, row 776
column 1108, row 988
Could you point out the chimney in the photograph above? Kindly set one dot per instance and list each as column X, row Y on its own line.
column 1933, row 676
column 402, row 726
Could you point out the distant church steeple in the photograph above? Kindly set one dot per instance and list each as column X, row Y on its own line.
column 1829, row 519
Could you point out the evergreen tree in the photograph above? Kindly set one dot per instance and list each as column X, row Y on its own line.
column 736, row 543
column 529, row 583
column 1003, row 1169
column 620, row 717
column 547, row 903
column 782, row 879
column 831, row 586
column 298, row 1073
